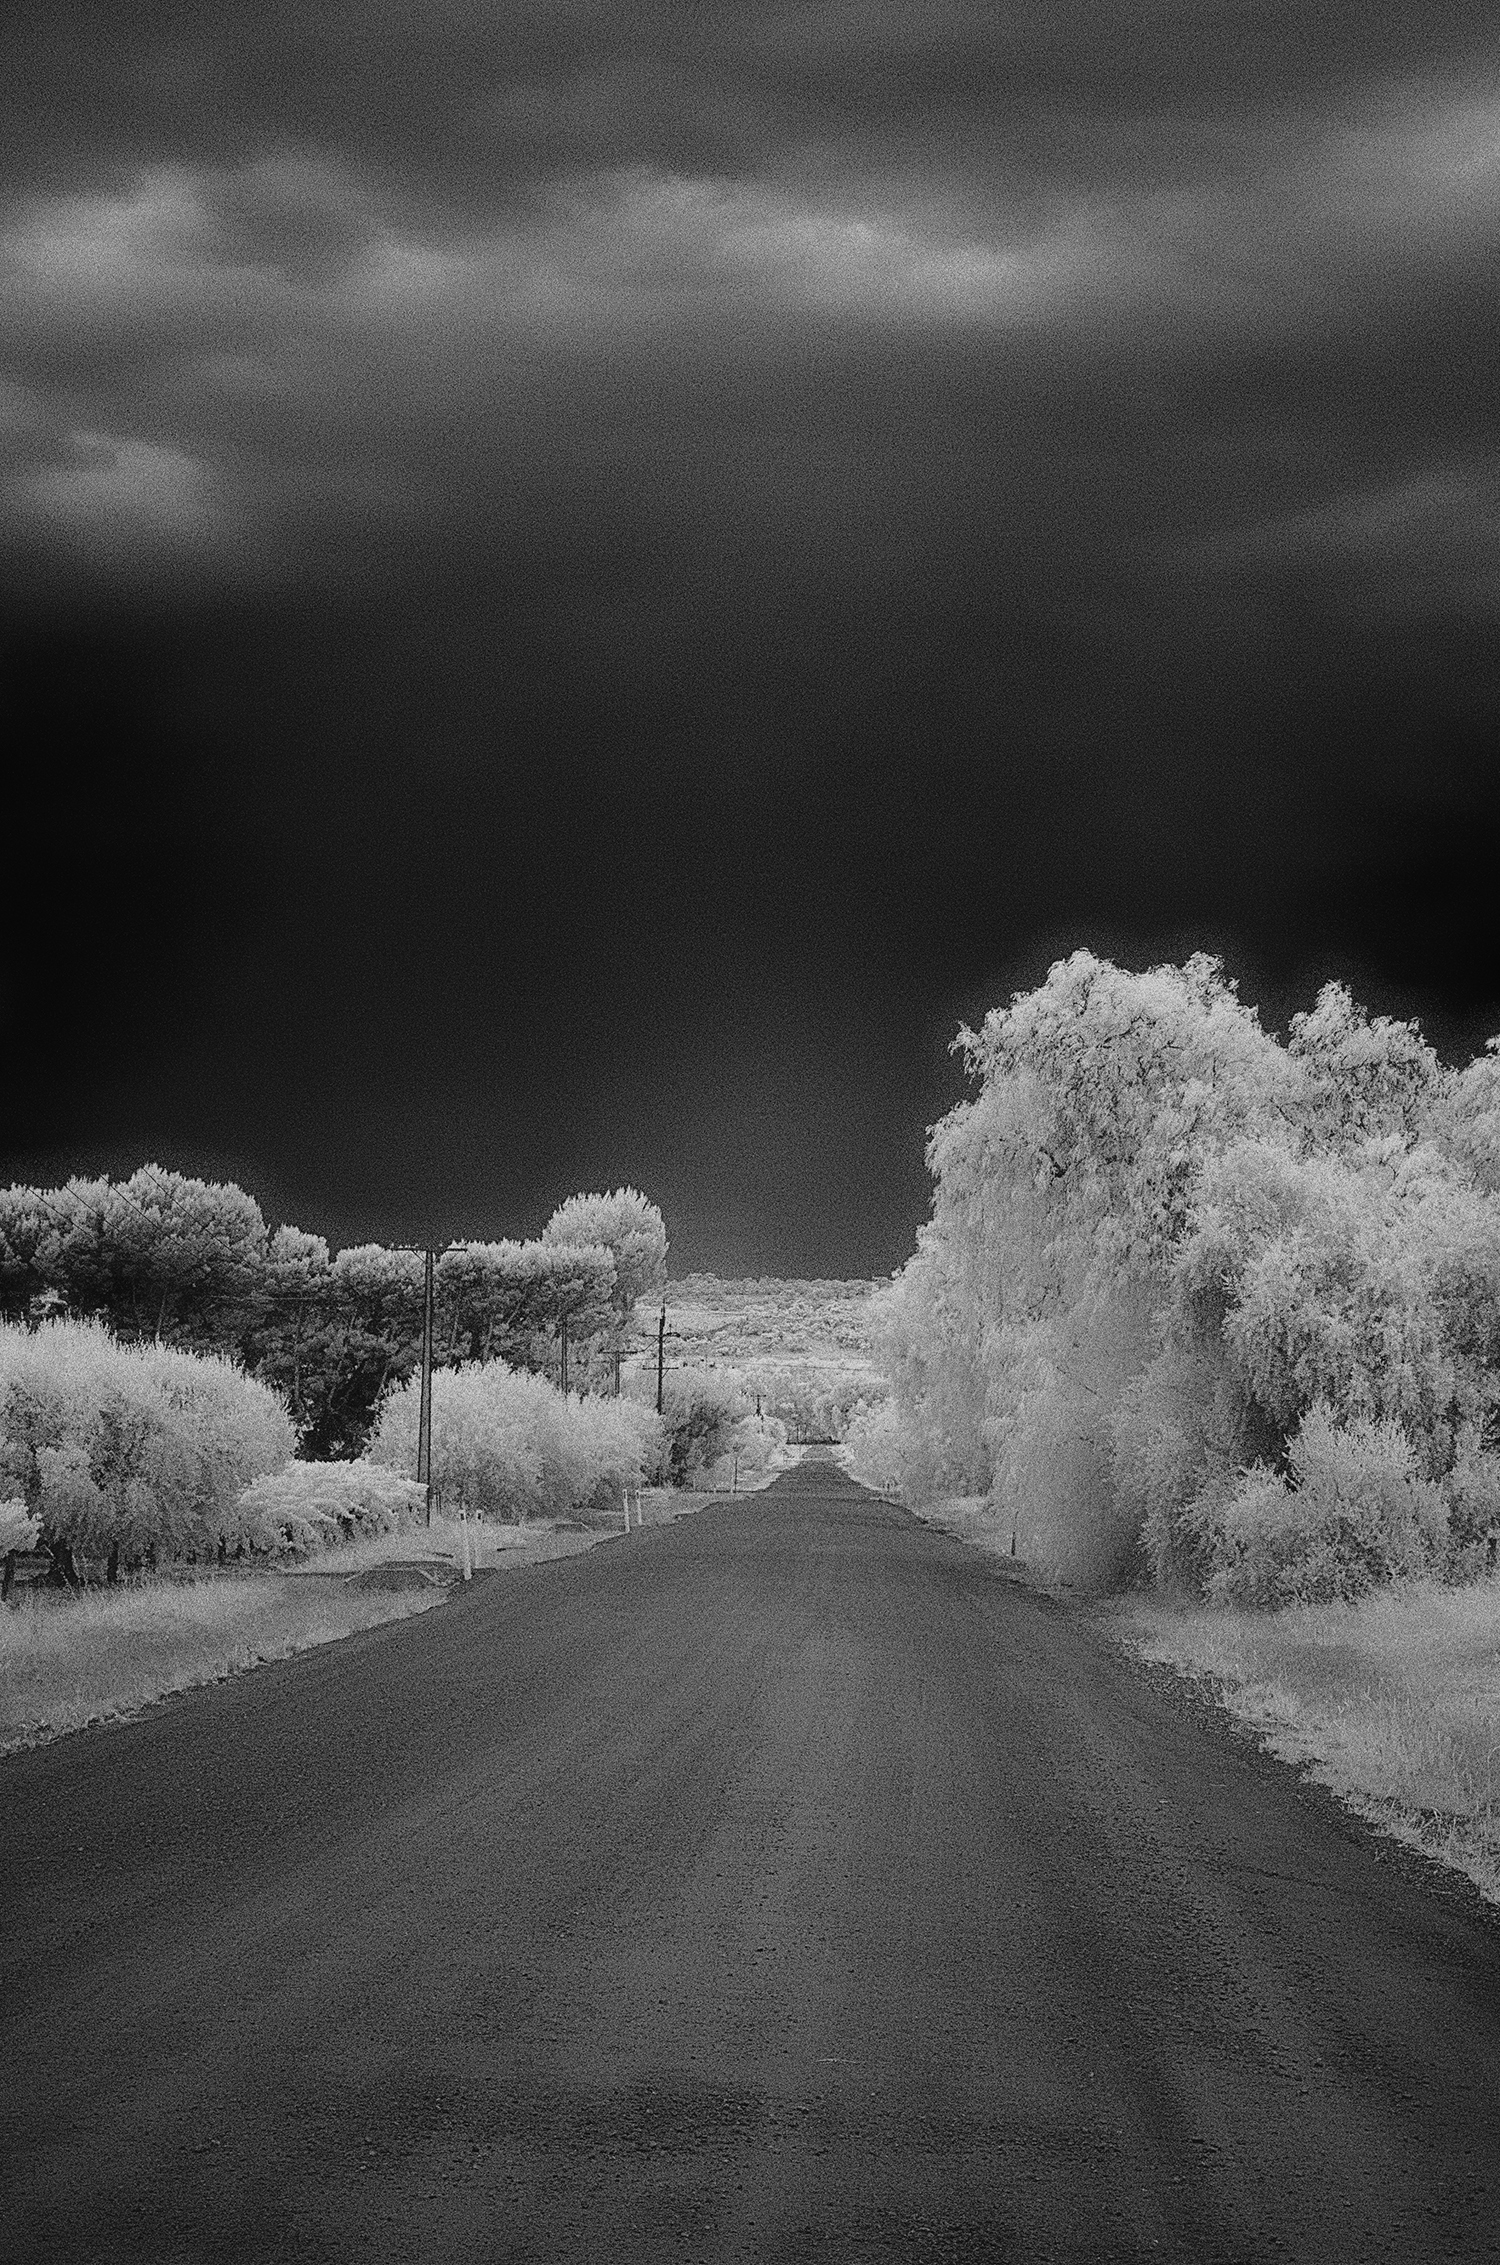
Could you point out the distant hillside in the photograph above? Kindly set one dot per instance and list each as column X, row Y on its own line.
column 805, row 1348
column 769, row 1319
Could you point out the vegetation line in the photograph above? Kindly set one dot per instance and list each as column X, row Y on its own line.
column 1392, row 1701
column 103, row 1655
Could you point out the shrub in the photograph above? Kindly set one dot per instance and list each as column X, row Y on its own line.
column 622, row 1441
column 1353, row 1513
column 1473, row 1491
column 1053, row 1483
column 18, row 1529
column 701, row 1416
column 875, row 1447
column 759, row 1443
column 485, row 1455
column 131, row 1450
column 510, row 1446
column 311, row 1506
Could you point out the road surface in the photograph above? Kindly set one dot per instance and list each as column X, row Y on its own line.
column 786, row 1883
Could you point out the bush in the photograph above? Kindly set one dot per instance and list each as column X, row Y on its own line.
column 755, row 1445
column 129, row 1451
column 312, row 1506
column 875, row 1447
column 1053, row 1485
column 1354, row 1513
column 509, row 1446
column 18, row 1529
column 759, row 1444
column 1473, row 1491
column 701, row 1417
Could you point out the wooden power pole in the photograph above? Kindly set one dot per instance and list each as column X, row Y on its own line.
column 661, row 1347
column 424, row 1409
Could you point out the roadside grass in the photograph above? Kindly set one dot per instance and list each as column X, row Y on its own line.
column 492, row 1547
column 971, row 1518
column 663, row 1505
column 66, row 1661
column 1392, row 1702
column 104, row 1653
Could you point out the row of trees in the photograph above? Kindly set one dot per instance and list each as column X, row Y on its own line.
column 1200, row 1302
column 191, row 1264
column 815, row 1397
column 120, row 1454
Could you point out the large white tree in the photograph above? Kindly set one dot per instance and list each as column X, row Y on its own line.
column 629, row 1226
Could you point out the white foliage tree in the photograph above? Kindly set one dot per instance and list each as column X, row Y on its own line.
column 510, row 1446
column 1161, row 1240
column 131, row 1450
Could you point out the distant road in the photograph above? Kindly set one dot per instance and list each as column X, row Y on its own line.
column 785, row 1884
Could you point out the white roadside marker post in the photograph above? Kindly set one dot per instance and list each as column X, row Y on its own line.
column 625, row 1498
column 464, row 1521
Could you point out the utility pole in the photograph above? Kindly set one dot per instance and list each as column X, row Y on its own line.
column 661, row 1347
column 565, row 1353
column 424, row 1409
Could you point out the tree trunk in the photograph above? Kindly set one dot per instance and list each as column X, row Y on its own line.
column 112, row 1570
column 64, row 1573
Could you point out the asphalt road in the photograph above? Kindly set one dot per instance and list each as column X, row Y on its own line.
column 785, row 1884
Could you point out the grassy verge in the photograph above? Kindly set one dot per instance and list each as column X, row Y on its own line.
column 492, row 1548
column 72, row 1660
column 971, row 1518
column 67, row 1661
column 1394, row 1702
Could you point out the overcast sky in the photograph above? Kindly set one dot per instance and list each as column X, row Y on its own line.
column 583, row 583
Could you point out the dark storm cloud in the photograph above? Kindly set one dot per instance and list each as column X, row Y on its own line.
column 465, row 97
column 290, row 279
column 806, row 510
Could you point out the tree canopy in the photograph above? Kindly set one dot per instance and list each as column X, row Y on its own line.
column 165, row 1259
column 1171, row 1256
